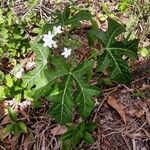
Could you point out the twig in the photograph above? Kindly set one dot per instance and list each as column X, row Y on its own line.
column 2, row 148
column 103, row 102
column 141, row 127
column 134, row 144
column 129, row 148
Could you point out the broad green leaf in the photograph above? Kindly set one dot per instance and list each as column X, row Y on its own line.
column 80, row 16
column 37, row 75
column 12, row 114
column 62, row 96
column 41, row 75
column 77, row 133
column 114, row 50
column 66, row 13
column 84, row 100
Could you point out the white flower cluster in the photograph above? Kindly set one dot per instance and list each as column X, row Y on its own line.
column 51, row 43
column 48, row 38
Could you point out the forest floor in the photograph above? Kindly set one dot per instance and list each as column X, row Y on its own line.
column 122, row 112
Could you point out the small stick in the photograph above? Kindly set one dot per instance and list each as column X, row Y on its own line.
column 103, row 102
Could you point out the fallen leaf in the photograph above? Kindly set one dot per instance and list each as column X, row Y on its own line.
column 145, row 87
column 5, row 120
column 29, row 66
column 139, row 113
column 59, row 130
column 112, row 101
column 3, row 134
column 136, row 113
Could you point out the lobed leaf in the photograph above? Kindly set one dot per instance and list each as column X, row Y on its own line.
column 63, row 102
column 114, row 50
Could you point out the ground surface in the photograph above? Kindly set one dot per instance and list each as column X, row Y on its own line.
column 122, row 113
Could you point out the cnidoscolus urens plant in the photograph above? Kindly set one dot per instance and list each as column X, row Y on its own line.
column 66, row 84
column 59, row 76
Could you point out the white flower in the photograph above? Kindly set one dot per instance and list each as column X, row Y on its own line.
column 66, row 53
column 57, row 30
column 48, row 40
column 19, row 74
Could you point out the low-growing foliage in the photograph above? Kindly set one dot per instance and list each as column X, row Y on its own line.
column 15, row 127
column 75, row 134
column 63, row 80
column 13, row 38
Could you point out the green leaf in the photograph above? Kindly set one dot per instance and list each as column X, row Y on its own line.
column 90, row 127
column 2, row 93
column 22, row 128
column 9, row 80
column 77, row 133
column 36, row 76
column 84, row 100
column 41, row 75
column 65, row 18
column 88, row 138
column 66, row 13
column 56, row 81
column 62, row 97
column 63, row 106
column 82, row 15
column 144, row 52
column 114, row 50
column 9, row 128
column 12, row 114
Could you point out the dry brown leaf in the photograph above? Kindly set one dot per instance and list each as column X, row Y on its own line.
column 29, row 65
column 24, row 114
column 140, row 113
column 3, row 134
column 5, row 120
column 112, row 101
column 145, row 87
column 136, row 113
column 59, row 130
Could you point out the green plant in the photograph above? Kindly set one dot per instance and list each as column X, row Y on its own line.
column 124, row 4
column 15, row 127
column 138, row 13
column 63, row 80
column 75, row 134
column 13, row 89
column 114, row 50
column 13, row 38
column 58, row 80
